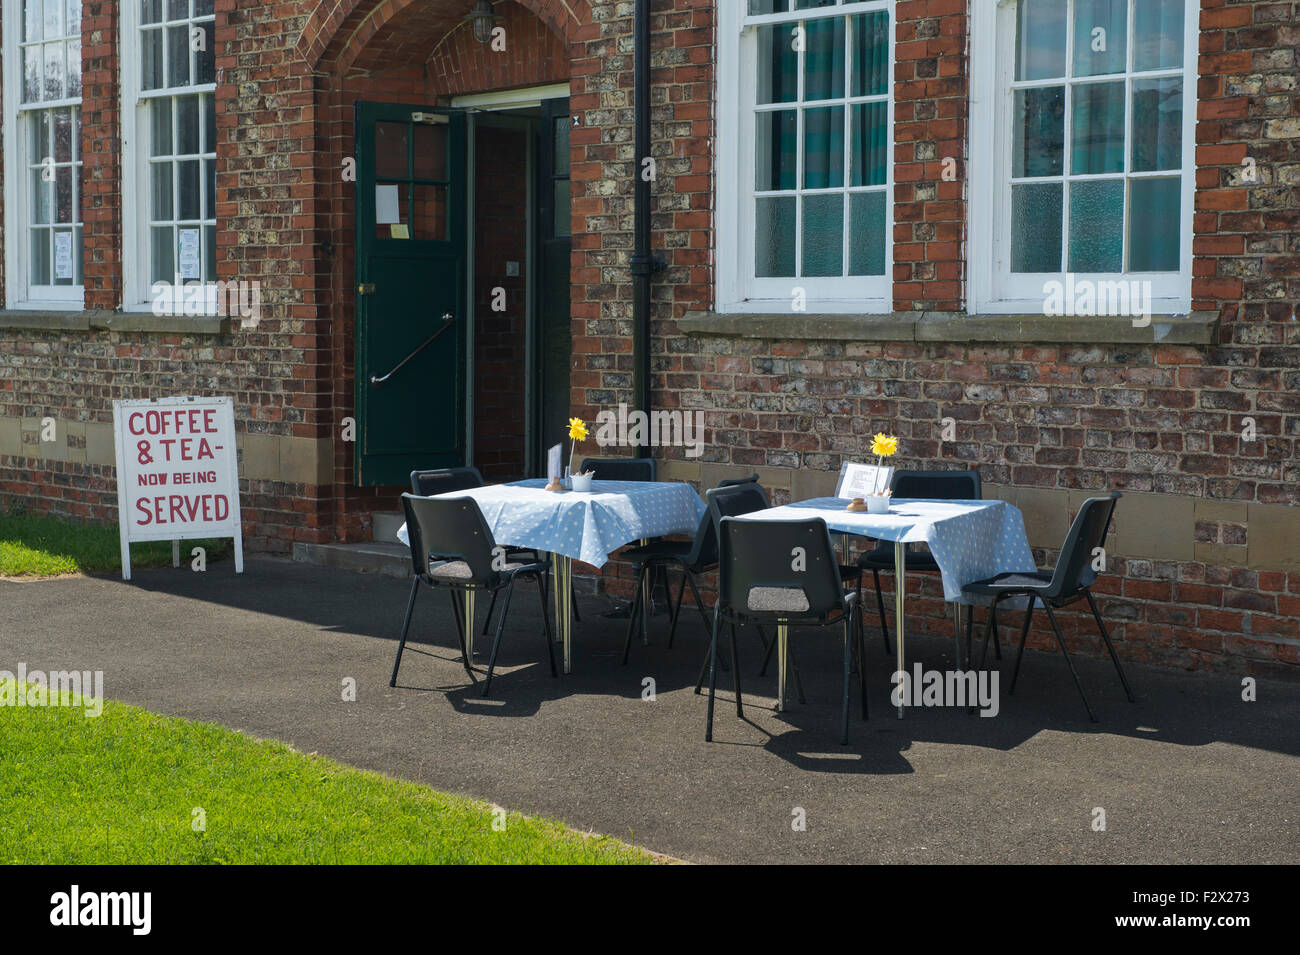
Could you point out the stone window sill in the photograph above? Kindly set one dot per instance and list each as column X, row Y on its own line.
column 1196, row 328
column 106, row 321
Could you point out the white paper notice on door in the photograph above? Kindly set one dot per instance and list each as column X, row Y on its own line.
column 63, row 255
column 188, row 260
column 387, row 211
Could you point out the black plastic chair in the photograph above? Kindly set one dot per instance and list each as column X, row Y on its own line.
column 694, row 557
column 783, row 573
column 452, row 548
column 1071, row 580
column 621, row 469
column 935, row 485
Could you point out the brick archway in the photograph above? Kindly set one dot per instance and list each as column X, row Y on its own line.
column 335, row 35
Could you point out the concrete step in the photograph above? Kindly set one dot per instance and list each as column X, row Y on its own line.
column 391, row 560
column 384, row 526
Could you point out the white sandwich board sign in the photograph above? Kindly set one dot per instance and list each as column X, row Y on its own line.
column 177, row 473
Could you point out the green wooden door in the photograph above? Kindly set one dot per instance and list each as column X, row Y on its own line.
column 555, row 338
column 410, row 291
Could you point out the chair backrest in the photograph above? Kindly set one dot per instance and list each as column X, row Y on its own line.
column 778, row 570
column 621, row 469
column 735, row 499
column 450, row 529
column 941, row 485
column 428, row 483
column 704, row 549
column 1074, row 567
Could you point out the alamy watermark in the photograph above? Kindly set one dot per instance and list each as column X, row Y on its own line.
column 1130, row 298
column 658, row 429
column 239, row 299
column 961, row 688
column 38, row 688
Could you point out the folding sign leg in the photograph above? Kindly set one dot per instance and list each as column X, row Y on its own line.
column 176, row 554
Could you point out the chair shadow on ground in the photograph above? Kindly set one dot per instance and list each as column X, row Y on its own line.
column 1174, row 707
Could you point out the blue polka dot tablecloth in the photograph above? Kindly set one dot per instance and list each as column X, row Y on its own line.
column 587, row 526
column 970, row 540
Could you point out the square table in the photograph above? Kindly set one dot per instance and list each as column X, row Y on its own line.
column 970, row 540
column 586, row 526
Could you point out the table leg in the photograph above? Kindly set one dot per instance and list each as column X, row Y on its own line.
column 469, row 624
column 900, row 570
column 782, row 654
column 562, row 575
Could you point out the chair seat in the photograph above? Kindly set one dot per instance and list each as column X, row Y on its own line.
column 882, row 558
column 452, row 570
column 777, row 599
column 658, row 550
column 1008, row 583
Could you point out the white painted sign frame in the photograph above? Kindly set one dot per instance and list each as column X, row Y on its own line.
column 227, row 481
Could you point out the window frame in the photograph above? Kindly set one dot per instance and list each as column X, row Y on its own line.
column 994, row 289
column 737, row 288
column 137, row 286
column 19, row 291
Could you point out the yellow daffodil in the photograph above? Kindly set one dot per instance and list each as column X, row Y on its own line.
column 577, row 429
column 884, row 445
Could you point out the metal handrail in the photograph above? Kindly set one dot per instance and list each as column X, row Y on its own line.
column 447, row 319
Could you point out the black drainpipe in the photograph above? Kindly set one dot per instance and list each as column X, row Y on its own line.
column 642, row 263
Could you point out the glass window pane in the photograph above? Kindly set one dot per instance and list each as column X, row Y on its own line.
column 54, row 71
column 53, row 18
column 823, row 235
column 431, row 152
column 759, row 7
column 1097, row 143
column 1097, row 226
column 209, row 188
column 429, row 218
column 178, row 56
column 187, row 189
column 202, row 8
column 31, row 21
column 72, row 21
column 40, row 131
column 1158, row 35
column 63, row 202
column 33, row 69
column 151, row 62
column 40, row 257
column 391, row 149
column 775, row 150
column 1154, row 225
column 1040, row 39
column 823, row 148
column 160, row 191
column 774, row 237
column 63, row 130
column 778, row 77
column 1036, row 227
column 1157, row 124
column 42, row 195
column 871, row 54
column 210, row 252
column 1038, row 147
column 870, row 144
column 205, row 58
column 150, row 11
column 70, row 266
column 162, row 257
column 1100, row 37
column 867, row 233
column 824, row 60
column 73, row 84
column 187, row 125
column 178, row 9
column 209, row 123
column 160, row 127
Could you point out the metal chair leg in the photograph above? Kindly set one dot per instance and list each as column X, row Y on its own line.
column 699, row 604
column 794, row 665
column 496, row 641
column 546, row 623
column 1068, row 662
column 713, row 674
column 1110, row 646
column 487, row 621
column 849, row 636
column 677, row 609
column 634, row 617
column 406, row 626
column 1020, row 654
column 735, row 673
column 880, row 605
column 862, row 657
column 990, row 627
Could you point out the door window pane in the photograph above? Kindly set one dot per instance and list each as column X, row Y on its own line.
column 429, row 220
column 430, row 159
column 392, row 146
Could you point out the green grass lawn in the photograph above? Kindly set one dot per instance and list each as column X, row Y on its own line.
column 34, row 545
column 123, row 788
